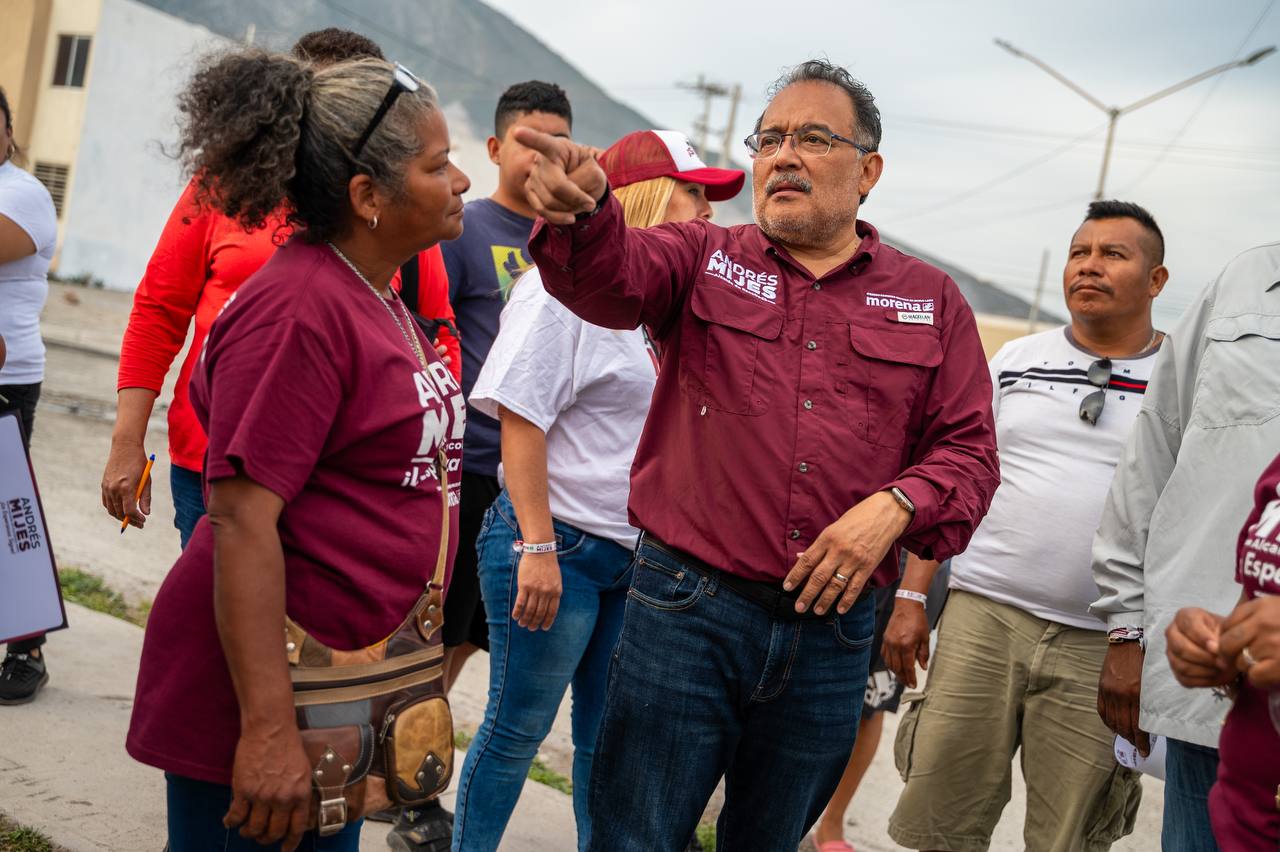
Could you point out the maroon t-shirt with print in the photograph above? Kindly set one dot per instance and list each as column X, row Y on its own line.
column 307, row 387
column 1244, row 803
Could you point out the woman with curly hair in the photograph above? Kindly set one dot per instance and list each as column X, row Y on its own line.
column 325, row 409
column 201, row 259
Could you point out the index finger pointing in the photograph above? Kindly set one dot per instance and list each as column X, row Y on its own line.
column 543, row 143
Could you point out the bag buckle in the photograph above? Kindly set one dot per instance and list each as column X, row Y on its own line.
column 333, row 816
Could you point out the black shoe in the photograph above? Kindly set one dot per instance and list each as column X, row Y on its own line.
column 425, row 829
column 21, row 677
column 390, row 814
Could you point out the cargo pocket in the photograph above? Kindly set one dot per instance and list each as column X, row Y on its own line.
column 1231, row 388
column 880, row 374
column 905, row 742
column 720, row 352
column 1117, row 809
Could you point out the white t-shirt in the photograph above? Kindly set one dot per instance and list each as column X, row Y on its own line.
column 588, row 388
column 1034, row 548
column 24, row 283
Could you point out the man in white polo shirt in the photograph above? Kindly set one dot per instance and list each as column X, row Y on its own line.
column 1019, row 653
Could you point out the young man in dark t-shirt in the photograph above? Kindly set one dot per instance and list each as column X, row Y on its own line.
column 483, row 264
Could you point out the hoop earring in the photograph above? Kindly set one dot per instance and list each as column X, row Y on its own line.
column 373, row 223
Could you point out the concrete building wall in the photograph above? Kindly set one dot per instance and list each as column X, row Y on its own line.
column 59, row 110
column 22, row 46
column 125, row 183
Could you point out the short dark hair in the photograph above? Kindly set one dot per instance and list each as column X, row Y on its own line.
column 530, row 96
column 867, row 132
column 1128, row 210
column 331, row 45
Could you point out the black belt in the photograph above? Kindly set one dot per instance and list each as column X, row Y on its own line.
column 770, row 596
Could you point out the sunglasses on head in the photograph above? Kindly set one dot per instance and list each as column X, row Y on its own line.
column 402, row 81
column 1099, row 376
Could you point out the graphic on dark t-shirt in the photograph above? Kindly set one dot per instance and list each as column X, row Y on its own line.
column 483, row 264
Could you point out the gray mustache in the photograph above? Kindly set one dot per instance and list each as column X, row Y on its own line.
column 788, row 182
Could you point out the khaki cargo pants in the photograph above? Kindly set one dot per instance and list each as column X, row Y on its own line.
column 1003, row 680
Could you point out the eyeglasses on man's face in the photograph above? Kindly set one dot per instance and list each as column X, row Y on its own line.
column 807, row 141
column 402, row 81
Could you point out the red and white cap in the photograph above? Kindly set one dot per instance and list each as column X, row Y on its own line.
column 648, row 154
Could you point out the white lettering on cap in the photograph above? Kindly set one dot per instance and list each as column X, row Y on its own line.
column 681, row 150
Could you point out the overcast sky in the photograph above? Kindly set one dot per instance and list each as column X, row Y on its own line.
column 985, row 164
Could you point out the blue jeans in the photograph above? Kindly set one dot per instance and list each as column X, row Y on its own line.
column 188, row 500
column 706, row 683
column 1190, row 770
column 530, row 669
column 196, row 809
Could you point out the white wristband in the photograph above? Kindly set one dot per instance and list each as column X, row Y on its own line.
column 529, row 547
column 909, row 595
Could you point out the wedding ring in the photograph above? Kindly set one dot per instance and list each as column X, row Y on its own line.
column 1247, row 656
column 842, row 578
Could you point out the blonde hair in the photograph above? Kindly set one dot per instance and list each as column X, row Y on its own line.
column 644, row 204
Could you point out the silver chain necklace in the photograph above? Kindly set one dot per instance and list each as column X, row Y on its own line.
column 411, row 339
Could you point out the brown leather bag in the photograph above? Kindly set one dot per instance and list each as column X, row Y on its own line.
column 375, row 722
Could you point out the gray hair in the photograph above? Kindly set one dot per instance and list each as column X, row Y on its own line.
column 867, row 130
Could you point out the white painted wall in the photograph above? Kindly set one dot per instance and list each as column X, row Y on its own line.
column 125, row 185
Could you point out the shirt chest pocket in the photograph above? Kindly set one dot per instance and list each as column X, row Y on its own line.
column 879, row 373
column 1237, row 384
column 721, row 353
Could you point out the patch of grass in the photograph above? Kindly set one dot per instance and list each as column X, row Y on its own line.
column 539, row 771
column 89, row 590
column 16, row 838
column 706, row 834
column 544, row 774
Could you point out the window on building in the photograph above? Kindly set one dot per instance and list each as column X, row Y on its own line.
column 54, row 178
column 73, row 58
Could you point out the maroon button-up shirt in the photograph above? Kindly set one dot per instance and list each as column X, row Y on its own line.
column 783, row 400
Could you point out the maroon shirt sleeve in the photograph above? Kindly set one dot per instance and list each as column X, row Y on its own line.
column 955, row 468
column 273, row 396
column 615, row 276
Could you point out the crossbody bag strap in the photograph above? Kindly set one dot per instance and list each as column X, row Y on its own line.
column 427, row 613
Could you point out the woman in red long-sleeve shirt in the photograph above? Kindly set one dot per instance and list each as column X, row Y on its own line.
column 201, row 259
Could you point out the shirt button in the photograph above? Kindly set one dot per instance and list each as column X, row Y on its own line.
column 817, row 285
column 811, row 345
column 795, row 534
column 808, row 404
column 803, row 467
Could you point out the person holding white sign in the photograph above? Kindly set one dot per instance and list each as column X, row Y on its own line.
column 28, row 233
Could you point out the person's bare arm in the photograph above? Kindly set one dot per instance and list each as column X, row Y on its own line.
column 271, row 778
column 128, row 457
column 906, row 638
column 524, row 464
column 15, row 243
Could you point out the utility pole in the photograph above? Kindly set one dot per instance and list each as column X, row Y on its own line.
column 1035, row 305
column 708, row 91
column 727, row 142
column 1113, row 112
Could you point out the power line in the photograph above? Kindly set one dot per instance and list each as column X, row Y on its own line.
column 1002, row 178
column 1155, row 164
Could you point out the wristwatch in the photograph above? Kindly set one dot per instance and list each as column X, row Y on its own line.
column 903, row 500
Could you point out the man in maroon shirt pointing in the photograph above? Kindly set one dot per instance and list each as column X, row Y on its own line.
column 823, row 400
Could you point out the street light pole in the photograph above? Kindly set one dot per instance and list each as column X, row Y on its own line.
column 1114, row 113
